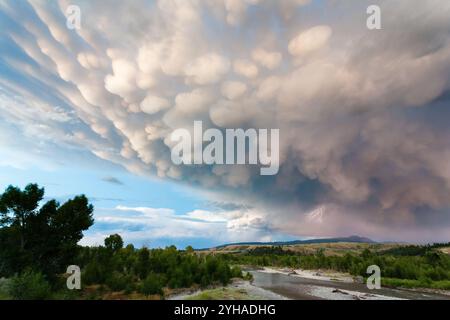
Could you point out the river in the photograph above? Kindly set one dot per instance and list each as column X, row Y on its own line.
column 300, row 288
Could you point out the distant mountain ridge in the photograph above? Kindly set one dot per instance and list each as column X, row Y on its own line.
column 354, row 239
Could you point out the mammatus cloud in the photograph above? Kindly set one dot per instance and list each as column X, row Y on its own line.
column 363, row 114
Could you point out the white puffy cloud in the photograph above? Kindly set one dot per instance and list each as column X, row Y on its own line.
column 310, row 40
column 207, row 69
column 245, row 68
column 146, row 224
column 268, row 88
column 153, row 104
column 233, row 89
column 270, row 60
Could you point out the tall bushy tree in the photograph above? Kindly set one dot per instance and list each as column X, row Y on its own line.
column 43, row 238
column 114, row 242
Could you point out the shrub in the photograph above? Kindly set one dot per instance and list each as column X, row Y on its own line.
column 119, row 282
column 248, row 276
column 236, row 272
column 151, row 285
column 29, row 285
column 93, row 273
column 4, row 288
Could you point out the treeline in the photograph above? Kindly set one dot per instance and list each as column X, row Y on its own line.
column 414, row 250
column 39, row 241
column 430, row 268
column 273, row 250
column 149, row 271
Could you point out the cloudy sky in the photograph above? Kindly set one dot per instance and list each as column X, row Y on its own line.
column 363, row 115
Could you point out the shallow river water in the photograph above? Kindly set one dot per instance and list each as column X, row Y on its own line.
column 294, row 287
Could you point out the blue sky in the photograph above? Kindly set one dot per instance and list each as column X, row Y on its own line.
column 115, row 192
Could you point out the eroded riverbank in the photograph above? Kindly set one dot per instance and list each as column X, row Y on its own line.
column 280, row 284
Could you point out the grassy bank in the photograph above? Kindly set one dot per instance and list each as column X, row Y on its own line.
column 415, row 284
column 223, row 294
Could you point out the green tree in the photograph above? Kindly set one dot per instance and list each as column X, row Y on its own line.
column 189, row 249
column 114, row 242
column 16, row 208
column 142, row 265
column 44, row 238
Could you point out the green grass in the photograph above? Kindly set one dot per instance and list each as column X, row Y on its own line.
column 223, row 294
column 410, row 284
column 4, row 284
column 4, row 296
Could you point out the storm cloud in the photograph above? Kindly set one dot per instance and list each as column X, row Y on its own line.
column 363, row 114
